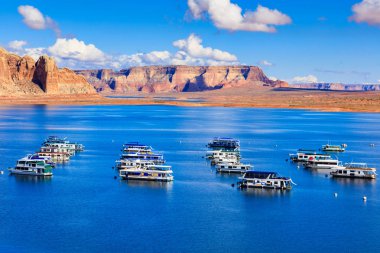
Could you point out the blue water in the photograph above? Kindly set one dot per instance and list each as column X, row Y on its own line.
column 82, row 208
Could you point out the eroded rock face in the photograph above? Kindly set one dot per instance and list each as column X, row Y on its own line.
column 22, row 75
column 176, row 78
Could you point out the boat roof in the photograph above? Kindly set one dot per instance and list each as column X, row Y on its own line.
column 135, row 144
column 225, row 139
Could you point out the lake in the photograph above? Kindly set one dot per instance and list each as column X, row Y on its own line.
column 83, row 208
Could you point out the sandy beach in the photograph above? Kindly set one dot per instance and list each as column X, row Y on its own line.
column 259, row 98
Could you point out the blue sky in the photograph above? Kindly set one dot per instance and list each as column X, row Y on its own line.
column 318, row 41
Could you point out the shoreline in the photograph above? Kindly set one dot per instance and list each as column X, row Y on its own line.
column 263, row 98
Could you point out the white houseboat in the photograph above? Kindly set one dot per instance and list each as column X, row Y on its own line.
column 355, row 170
column 233, row 167
column 324, row 163
column 32, row 165
column 56, row 154
column 264, row 179
column 150, row 172
column 304, row 155
column 127, row 164
column 213, row 154
column 334, row 148
column 226, row 159
column 155, row 158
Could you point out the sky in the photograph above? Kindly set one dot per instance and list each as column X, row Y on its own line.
column 292, row 40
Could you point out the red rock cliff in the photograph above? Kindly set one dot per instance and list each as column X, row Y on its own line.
column 177, row 78
column 21, row 75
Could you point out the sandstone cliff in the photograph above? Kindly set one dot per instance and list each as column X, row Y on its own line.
column 22, row 75
column 177, row 78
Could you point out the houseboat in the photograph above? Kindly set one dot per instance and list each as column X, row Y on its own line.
column 32, row 165
column 324, row 163
column 56, row 154
column 56, row 140
column 214, row 154
column 304, row 155
column 151, row 172
column 62, row 147
column 155, row 158
column 355, row 170
column 224, row 143
column 233, row 167
column 264, row 179
column 127, row 164
column 226, row 159
column 136, row 147
column 334, row 148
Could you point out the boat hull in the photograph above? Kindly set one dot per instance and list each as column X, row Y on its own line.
column 30, row 173
column 147, row 178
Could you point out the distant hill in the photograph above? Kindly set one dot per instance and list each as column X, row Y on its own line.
column 152, row 79
column 336, row 87
column 23, row 76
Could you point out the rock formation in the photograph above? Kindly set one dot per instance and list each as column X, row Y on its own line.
column 177, row 78
column 22, row 75
column 336, row 87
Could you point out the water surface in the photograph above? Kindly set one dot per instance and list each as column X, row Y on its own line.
column 82, row 208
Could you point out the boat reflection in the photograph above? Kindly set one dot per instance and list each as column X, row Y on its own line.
column 149, row 184
column 354, row 181
column 267, row 193
column 31, row 179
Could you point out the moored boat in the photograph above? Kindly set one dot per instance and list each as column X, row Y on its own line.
column 233, row 167
column 326, row 163
column 305, row 155
column 224, row 143
column 213, row 154
column 155, row 158
column 136, row 147
column 130, row 163
column 32, row 165
column 355, row 170
column 264, row 179
column 56, row 154
column 150, row 172
column 334, row 148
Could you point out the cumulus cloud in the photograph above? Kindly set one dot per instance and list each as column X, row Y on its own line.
column 17, row 45
column 34, row 19
column 74, row 49
column 367, row 11
column 194, row 48
column 229, row 16
column 305, row 79
column 190, row 52
column 273, row 78
column 75, row 53
column 266, row 63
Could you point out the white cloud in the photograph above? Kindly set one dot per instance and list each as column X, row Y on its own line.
column 194, row 48
column 367, row 11
column 273, row 78
column 190, row 52
column 17, row 45
column 74, row 49
column 35, row 53
column 74, row 53
column 34, row 19
column 305, row 79
column 229, row 16
column 266, row 63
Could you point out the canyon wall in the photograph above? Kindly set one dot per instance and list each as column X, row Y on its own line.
column 177, row 78
column 22, row 76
